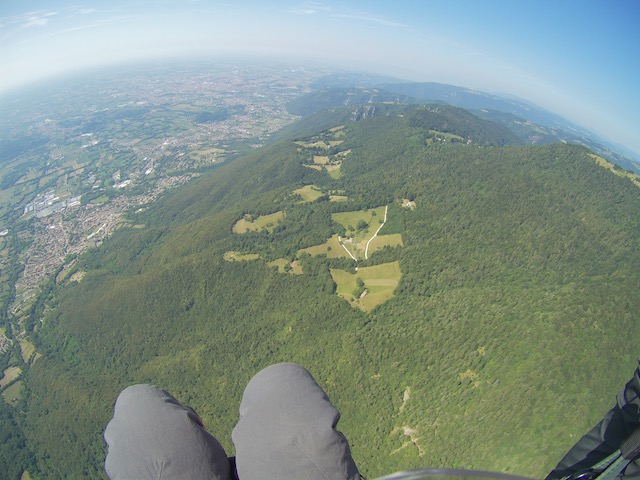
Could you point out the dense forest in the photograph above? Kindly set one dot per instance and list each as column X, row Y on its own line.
column 512, row 328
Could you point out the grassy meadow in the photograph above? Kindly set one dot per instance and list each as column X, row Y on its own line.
column 263, row 222
column 308, row 193
column 10, row 374
column 378, row 285
column 240, row 257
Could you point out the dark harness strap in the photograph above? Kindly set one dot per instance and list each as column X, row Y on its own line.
column 610, row 467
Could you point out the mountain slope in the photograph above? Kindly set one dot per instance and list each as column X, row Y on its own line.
column 531, row 123
column 333, row 97
column 512, row 326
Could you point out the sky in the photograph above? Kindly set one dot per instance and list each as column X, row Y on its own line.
column 576, row 58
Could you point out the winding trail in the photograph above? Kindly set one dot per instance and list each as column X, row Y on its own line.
column 346, row 249
column 366, row 250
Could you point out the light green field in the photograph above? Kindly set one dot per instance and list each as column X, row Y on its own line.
column 447, row 136
column 347, row 219
column 280, row 263
column 296, row 269
column 380, row 281
column 338, row 198
column 331, row 248
column 208, row 151
column 13, row 394
column 313, row 167
column 31, row 175
column 27, row 348
column 357, row 241
column 308, row 193
column 334, row 171
column 268, row 222
column 345, row 284
column 77, row 277
column 65, row 271
column 320, row 160
column 239, row 257
column 101, row 200
column 621, row 173
column 209, row 155
column 318, row 144
column 35, row 358
column 10, row 374
column 43, row 180
column 26, row 475
column 381, row 241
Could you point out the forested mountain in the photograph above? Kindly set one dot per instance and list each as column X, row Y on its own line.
column 342, row 97
column 511, row 325
column 535, row 134
column 475, row 100
column 532, row 124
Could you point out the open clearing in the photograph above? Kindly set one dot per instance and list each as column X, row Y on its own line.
column 331, row 248
column 27, row 348
column 313, row 167
column 380, row 281
column 281, row 263
column 208, row 155
column 308, row 193
column 65, row 272
column 330, row 163
column 334, row 170
column 324, row 163
column 13, row 394
column 437, row 136
column 381, row 241
column 318, row 144
column 356, row 240
column 10, row 374
column 349, row 220
column 239, row 257
column 264, row 222
column 635, row 178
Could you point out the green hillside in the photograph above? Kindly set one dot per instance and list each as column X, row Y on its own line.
column 513, row 324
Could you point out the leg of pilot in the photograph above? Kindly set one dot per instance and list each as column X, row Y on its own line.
column 605, row 438
column 287, row 429
column 153, row 436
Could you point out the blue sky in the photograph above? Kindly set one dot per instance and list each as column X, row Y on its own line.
column 577, row 58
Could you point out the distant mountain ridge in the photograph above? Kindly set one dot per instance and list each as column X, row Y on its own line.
column 532, row 124
column 333, row 97
column 475, row 100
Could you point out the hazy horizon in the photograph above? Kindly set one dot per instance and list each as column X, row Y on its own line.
column 577, row 59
